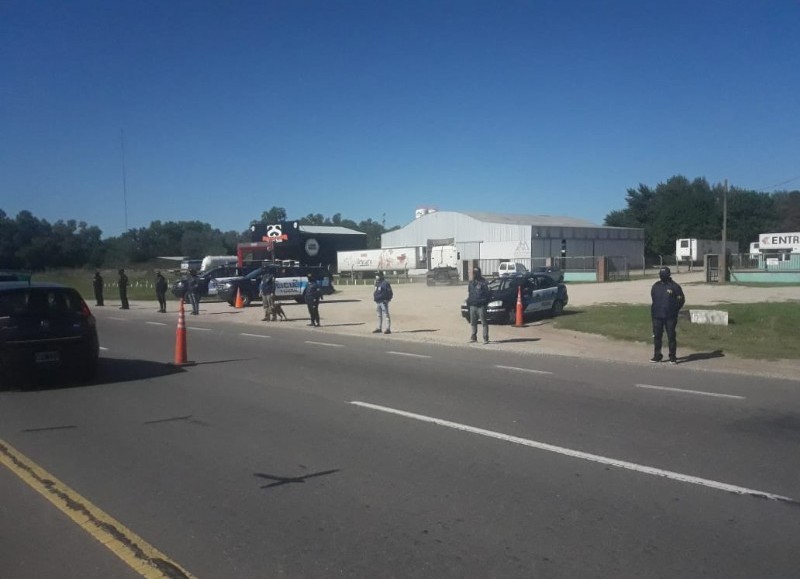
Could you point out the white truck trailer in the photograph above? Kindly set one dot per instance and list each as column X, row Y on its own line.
column 691, row 251
column 444, row 263
column 363, row 262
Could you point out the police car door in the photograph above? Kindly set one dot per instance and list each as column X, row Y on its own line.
column 543, row 295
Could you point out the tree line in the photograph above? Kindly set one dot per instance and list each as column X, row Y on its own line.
column 673, row 210
column 681, row 208
column 31, row 243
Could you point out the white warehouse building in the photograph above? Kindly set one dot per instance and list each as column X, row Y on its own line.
column 488, row 239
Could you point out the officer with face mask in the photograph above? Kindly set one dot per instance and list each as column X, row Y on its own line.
column 668, row 299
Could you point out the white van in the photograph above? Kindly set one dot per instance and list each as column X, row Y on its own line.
column 509, row 267
column 212, row 261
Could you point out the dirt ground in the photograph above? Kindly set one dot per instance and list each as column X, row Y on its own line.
column 432, row 315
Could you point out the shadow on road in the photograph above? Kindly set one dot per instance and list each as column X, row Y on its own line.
column 283, row 480
column 701, row 356
column 109, row 371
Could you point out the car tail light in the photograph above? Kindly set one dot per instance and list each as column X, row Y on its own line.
column 85, row 311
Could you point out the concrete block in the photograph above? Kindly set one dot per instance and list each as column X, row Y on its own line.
column 715, row 317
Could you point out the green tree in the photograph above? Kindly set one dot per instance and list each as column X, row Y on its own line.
column 274, row 215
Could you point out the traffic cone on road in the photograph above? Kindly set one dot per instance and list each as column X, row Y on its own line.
column 519, row 322
column 180, row 339
column 238, row 303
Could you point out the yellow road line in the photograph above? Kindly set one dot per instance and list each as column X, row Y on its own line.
column 133, row 550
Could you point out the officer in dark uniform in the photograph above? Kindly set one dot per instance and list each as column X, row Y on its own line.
column 312, row 296
column 668, row 299
column 193, row 289
column 97, row 283
column 161, row 292
column 123, row 289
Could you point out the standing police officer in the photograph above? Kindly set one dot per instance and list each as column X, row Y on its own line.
column 477, row 300
column 313, row 295
column 267, row 291
column 667, row 299
column 97, row 283
column 382, row 295
column 161, row 292
column 123, row 289
column 193, row 289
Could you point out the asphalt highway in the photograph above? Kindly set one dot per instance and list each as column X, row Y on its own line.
column 296, row 452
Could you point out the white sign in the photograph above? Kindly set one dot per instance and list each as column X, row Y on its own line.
column 779, row 240
column 312, row 247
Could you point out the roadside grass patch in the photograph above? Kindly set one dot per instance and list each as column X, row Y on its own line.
column 760, row 331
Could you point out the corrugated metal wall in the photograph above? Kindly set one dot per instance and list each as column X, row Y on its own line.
column 495, row 242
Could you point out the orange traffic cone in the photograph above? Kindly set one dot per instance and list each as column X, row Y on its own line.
column 238, row 303
column 180, row 339
column 518, row 323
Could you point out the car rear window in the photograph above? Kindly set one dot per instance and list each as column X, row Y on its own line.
column 39, row 301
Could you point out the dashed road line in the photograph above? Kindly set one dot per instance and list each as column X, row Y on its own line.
column 582, row 455
column 198, row 329
column 529, row 370
column 409, row 354
column 698, row 392
column 255, row 335
column 156, row 323
column 103, row 349
column 325, row 344
column 118, row 319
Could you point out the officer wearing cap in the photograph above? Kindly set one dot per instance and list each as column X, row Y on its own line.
column 668, row 299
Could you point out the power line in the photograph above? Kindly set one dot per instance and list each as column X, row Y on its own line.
column 779, row 184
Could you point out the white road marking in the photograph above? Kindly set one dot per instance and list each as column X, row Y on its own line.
column 325, row 344
column 156, row 323
column 408, row 354
column 104, row 349
column 255, row 335
column 580, row 454
column 522, row 369
column 199, row 329
column 699, row 392
column 118, row 319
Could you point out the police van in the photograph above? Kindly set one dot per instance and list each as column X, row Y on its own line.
column 291, row 282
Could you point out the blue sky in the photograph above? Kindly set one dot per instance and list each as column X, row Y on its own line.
column 371, row 109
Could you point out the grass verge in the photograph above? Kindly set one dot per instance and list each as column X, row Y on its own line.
column 760, row 331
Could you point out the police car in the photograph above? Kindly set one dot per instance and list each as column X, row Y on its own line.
column 541, row 294
column 290, row 283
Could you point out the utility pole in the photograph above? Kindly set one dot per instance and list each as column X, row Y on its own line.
column 723, row 259
column 124, row 179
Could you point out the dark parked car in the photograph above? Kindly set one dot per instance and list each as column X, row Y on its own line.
column 540, row 295
column 204, row 279
column 45, row 328
column 290, row 283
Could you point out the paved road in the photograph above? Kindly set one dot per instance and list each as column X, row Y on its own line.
column 299, row 452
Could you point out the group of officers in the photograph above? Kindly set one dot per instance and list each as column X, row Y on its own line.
column 666, row 296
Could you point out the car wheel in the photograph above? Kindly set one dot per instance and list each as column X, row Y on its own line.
column 246, row 299
column 231, row 303
column 557, row 309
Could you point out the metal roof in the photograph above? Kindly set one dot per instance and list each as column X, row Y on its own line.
column 536, row 220
column 329, row 229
